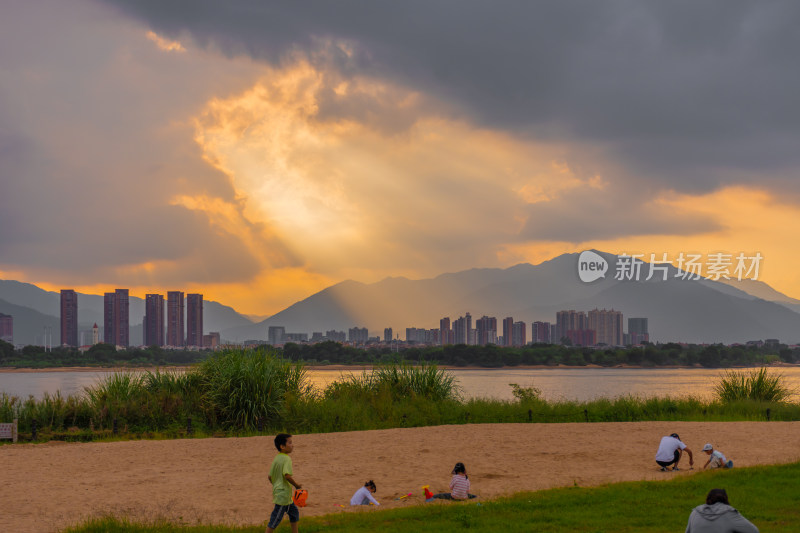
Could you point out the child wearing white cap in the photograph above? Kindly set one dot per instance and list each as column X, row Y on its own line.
column 716, row 459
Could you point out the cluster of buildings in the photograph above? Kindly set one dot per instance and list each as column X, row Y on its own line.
column 278, row 335
column 167, row 326
column 598, row 327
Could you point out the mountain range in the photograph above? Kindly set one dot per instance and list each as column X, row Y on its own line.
column 678, row 309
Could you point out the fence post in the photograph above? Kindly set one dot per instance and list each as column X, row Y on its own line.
column 189, row 430
column 114, row 427
column 14, row 431
column 33, row 429
column 530, row 415
column 586, row 414
column 767, row 414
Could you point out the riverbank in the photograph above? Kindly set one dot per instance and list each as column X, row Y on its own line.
column 358, row 368
column 223, row 480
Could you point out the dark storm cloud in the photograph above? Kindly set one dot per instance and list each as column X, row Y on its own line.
column 590, row 215
column 97, row 153
column 687, row 93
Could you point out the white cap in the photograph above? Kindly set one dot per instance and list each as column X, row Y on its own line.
column 708, row 447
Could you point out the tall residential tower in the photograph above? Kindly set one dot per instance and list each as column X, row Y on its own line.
column 194, row 320
column 69, row 318
column 154, row 320
column 115, row 318
column 175, row 333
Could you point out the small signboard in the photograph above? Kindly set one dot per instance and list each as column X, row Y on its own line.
column 9, row 431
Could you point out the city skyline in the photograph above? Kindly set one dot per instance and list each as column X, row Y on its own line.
column 579, row 328
column 277, row 152
column 597, row 327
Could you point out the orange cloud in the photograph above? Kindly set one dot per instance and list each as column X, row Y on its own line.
column 751, row 220
column 165, row 44
column 363, row 179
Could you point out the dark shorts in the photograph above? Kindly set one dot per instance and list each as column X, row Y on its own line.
column 675, row 460
column 280, row 510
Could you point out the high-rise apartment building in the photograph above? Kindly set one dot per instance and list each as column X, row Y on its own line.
column 335, row 336
column 508, row 325
column 444, row 331
column 387, row 335
column 69, row 317
column 462, row 329
column 607, row 325
column 275, row 335
column 540, row 332
column 116, row 321
column 569, row 321
column 518, row 336
column 486, row 330
column 175, row 330
column 6, row 328
column 637, row 330
column 358, row 335
column 582, row 337
column 154, row 320
column 194, row 320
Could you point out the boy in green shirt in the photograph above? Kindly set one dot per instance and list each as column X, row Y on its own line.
column 280, row 475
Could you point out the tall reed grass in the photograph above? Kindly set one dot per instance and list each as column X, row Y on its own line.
column 243, row 388
column 758, row 384
column 398, row 381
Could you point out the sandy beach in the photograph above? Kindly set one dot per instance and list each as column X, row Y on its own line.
column 53, row 485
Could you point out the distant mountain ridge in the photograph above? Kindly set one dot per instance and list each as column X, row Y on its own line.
column 34, row 309
column 681, row 310
column 701, row 311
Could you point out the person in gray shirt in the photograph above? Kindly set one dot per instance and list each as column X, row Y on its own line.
column 717, row 516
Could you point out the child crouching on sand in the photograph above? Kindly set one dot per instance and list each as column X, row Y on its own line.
column 363, row 496
column 459, row 485
column 716, row 459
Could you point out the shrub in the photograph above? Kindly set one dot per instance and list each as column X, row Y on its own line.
column 242, row 387
column 525, row 394
column 759, row 385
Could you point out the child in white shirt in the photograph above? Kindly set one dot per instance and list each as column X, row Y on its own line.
column 716, row 458
column 363, row 496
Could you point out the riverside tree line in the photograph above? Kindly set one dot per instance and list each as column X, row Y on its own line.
column 489, row 356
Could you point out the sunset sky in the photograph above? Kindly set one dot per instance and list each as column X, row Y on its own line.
column 258, row 152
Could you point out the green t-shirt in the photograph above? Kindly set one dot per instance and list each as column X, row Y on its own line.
column 281, row 489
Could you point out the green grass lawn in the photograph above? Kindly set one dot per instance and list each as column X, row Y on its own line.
column 767, row 496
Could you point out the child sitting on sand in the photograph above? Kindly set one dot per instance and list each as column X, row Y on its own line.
column 459, row 485
column 716, row 459
column 363, row 496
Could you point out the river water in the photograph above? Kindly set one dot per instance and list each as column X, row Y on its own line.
column 555, row 383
